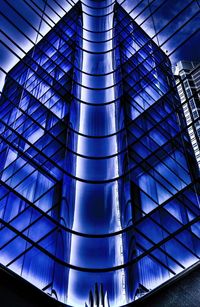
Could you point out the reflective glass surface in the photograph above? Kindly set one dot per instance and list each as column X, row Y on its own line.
column 99, row 185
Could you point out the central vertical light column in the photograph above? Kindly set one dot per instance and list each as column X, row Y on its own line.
column 97, row 207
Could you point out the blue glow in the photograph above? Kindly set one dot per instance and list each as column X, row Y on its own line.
column 96, row 184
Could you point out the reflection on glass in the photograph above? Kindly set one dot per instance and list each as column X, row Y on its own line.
column 97, row 193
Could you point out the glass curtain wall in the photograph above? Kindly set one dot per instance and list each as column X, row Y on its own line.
column 99, row 184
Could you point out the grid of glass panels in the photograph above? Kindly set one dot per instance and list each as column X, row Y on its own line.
column 99, row 185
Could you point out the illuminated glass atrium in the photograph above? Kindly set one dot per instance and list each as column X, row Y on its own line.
column 99, row 182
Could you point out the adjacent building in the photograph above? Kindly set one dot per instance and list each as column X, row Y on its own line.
column 188, row 84
column 99, row 184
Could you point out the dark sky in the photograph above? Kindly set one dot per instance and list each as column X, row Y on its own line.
column 163, row 11
column 178, row 12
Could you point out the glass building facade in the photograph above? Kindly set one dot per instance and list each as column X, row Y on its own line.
column 99, row 182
